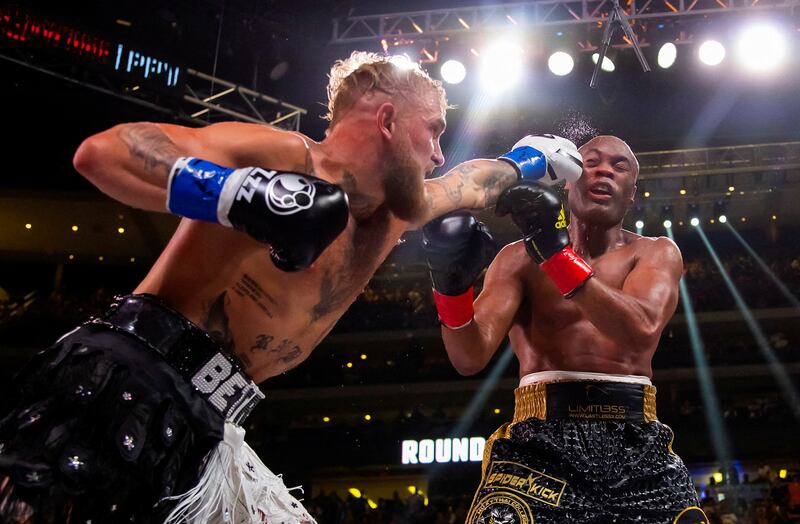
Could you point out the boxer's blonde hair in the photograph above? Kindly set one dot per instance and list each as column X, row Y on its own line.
column 363, row 72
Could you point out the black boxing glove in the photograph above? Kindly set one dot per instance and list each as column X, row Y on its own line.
column 538, row 213
column 457, row 247
column 297, row 215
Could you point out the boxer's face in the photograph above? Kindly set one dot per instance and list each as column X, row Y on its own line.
column 415, row 153
column 605, row 191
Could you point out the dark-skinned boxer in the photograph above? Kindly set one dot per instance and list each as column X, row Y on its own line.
column 584, row 305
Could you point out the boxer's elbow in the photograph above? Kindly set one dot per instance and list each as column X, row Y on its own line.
column 467, row 369
column 88, row 159
column 467, row 363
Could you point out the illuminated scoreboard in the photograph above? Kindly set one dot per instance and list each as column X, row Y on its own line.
column 20, row 27
column 135, row 64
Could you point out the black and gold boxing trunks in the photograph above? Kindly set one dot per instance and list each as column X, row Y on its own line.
column 584, row 448
column 124, row 419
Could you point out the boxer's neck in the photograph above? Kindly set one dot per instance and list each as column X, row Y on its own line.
column 593, row 240
column 353, row 157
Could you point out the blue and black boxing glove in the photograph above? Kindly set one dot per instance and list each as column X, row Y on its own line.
column 547, row 159
column 297, row 215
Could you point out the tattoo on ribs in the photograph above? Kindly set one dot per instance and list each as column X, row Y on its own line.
column 248, row 287
column 149, row 144
column 216, row 323
column 286, row 350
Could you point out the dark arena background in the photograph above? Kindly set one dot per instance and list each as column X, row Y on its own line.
column 376, row 425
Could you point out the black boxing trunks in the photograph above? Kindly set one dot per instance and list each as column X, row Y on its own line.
column 134, row 417
column 584, row 448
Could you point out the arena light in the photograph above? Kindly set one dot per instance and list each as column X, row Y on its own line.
column 667, row 55
column 711, row 52
column 667, row 216
column 355, row 492
column 761, row 48
column 720, row 211
column 639, row 215
column 561, row 63
column 501, row 66
column 607, row 64
column 403, row 61
column 453, row 72
column 693, row 212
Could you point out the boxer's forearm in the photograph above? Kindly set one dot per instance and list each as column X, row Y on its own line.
column 130, row 163
column 466, row 348
column 619, row 316
column 474, row 184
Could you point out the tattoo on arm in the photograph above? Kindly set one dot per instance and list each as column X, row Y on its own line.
column 148, row 143
column 248, row 287
column 332, row 295
column 495, row 182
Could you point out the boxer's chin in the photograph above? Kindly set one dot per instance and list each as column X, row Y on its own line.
column 404, row 185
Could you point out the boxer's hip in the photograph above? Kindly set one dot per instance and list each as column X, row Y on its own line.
column 113, row 417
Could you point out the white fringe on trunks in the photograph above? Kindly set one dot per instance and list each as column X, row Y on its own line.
column 237, row 488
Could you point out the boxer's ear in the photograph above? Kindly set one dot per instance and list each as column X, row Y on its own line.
column 387, row 120
column 632, row 197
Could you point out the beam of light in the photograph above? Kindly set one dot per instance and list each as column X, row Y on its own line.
column 469, row 131
column 480, row 397
column 719, row 438
column 775, row 366
column 477, row 404
column 667, row 55
column 713, row 114
column 711, row 53
column 765, row 268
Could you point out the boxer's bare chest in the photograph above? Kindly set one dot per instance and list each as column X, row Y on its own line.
column 271, row 320
column 552, row 332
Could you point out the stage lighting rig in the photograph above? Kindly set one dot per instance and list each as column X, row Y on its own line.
column 617, row 19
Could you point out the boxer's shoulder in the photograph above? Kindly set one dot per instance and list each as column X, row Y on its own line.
column 513, row 259
column 259, row 145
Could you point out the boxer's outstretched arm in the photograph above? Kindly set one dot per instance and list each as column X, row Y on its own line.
column 471, row 347
column 474, row 184
column 131, row 162
column 636, row 315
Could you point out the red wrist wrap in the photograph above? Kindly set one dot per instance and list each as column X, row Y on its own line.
column 567, row 270
column 454, row 311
